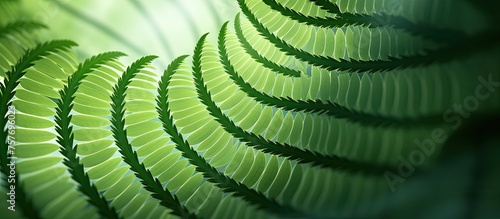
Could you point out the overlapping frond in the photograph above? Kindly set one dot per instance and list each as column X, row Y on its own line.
column 65, row 137
column 297, row 112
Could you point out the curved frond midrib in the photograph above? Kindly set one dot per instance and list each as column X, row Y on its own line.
column 130, row 157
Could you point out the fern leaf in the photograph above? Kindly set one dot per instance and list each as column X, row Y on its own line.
column 129, row 156
column 7, row 91
column 10, row 82
column 18, row 27
column 267, row 146
column 65, row 137
column 213, row 175
column 258, row 57
column 314, row 106
column 456, row 50
column 426, row 31
column 337, row 22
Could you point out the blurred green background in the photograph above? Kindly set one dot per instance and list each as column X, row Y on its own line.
column 167, row 28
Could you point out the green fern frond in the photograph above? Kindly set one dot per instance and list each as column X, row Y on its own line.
column 98, row 25
column 456, row 50
column 154, row 25
column 327, row 5
column 7, row 91
column 224, row 182
column 10, row 82
column 328, row 63
column 266, row 129
column 65, row 136
column 129, row 155
column 314, row 106
column 285, row 150
column 374, row 20
column 328, row 22
column 18, row 27
column 258, row 57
